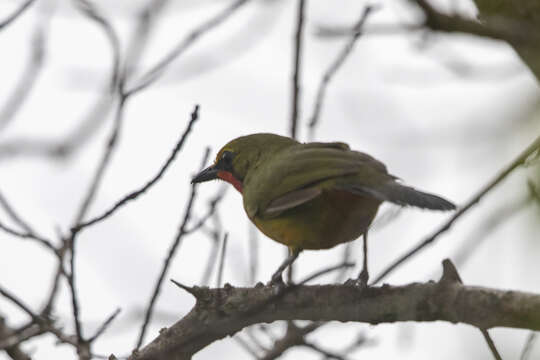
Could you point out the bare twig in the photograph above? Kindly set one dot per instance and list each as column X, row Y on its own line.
column 529, row 343
column 20, row 10
column 213, row 203
column 73, row 290
column 18, row 302
column 96, row 116
column 529, row 151
column 327, row 354
column 171, row 253
column 508, row 30
column 324, row 271
column 29, row 76
column 254, row 339
column 328, row 31
column 246, row 346
column 222, row 260
column 103, row 164
column 4, row 203
column 93, row 13
column 295, row 103
column 155, row 72
column 53, row 292
column 69, row 144
column 491, row 344
column 116, row 87
column 28, row 236
column 253, row 253
column 14, row 352
column 499, row 216
column 135, row 194
column 451, row 277
column 212, row 256
column 146, row 19
column 293, row 337
column 334, row 67
column 104, row 326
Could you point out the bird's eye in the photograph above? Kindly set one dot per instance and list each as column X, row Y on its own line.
column 227, row 157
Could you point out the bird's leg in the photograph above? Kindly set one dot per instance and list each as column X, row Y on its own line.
column 363, row 277
column 277, row 276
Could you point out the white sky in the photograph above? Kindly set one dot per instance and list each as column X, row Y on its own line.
column 395, row 98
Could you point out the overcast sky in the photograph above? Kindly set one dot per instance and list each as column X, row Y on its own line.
column 444, row 113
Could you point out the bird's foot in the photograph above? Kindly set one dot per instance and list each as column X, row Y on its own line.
column 357, row 283
column 361, row 281
column 277, row 280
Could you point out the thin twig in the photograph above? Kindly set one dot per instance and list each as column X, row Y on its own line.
column 145, row 24
column 92, row 12
column 346, row 258
column 28, row 236
column 212, row 256
column 155, row 72
column 116, row 87
column 529, row 343
column 295, row 104
column 253, row 253
column 327, row 354
column 14, row 352
column 103, row 164
column 293, row 337
column 15, row 300
column 53, row 292
column 530, row 150
column 498, row 217
column 20, row 10
column 105, row 325
column 13, row 214
column 246, row 346
column 324, row 271
column 171, row 253
column 222, row 260
column 451, row 276
column 491, row 344
column 96, row 116
column 334, row 67
column 30, row 74
column 214, row 202
column 254, row 339
column 73, row 290
column 135, row 194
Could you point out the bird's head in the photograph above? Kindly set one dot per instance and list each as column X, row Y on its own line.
column 238, row 156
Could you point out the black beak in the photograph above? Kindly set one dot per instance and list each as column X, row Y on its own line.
column 210, row 173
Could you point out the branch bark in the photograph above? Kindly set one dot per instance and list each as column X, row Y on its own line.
column 223, row 312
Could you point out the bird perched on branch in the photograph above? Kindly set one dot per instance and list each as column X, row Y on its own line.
column 311, row 195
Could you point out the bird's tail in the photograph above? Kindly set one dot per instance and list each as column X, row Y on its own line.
column 405, row 195
column 402, row 195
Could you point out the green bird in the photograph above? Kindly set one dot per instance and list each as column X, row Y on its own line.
column 311, row 196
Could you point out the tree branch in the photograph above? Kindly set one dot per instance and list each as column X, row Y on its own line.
column 15, row 14
column 222, row 312
column 295, row 104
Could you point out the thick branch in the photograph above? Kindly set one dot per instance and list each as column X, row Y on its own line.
column 222, row 312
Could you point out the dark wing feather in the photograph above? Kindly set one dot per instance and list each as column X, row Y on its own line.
column 292, row 200
column 401, row 195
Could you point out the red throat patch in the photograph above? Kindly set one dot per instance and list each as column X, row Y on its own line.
column 228, row 177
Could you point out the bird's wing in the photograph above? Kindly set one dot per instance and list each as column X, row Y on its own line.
column 300, row 174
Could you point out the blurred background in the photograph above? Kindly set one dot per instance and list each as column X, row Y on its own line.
column 444, row 112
